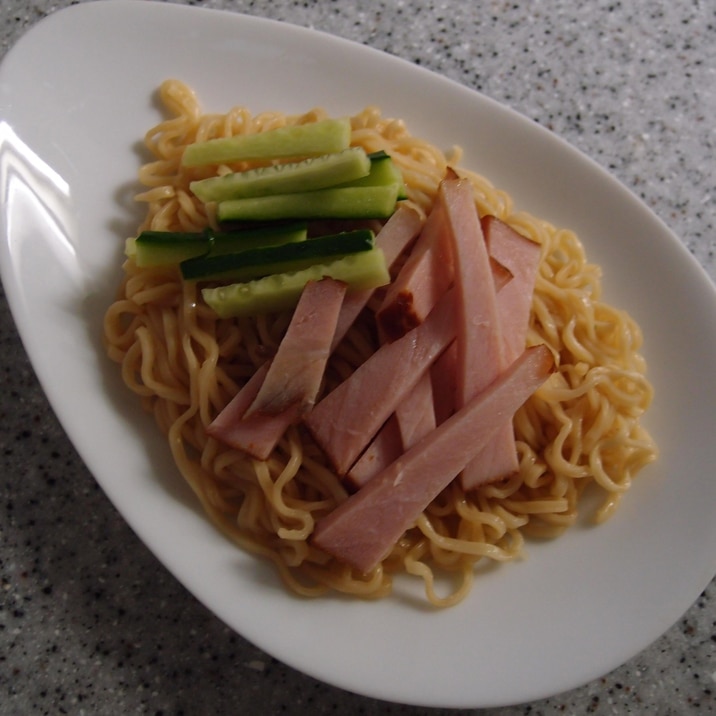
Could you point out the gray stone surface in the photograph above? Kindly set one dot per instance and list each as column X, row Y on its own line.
column 90, row 623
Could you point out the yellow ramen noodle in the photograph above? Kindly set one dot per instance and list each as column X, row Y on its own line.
column 581, row 428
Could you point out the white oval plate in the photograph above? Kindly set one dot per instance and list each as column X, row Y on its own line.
column 77, row 94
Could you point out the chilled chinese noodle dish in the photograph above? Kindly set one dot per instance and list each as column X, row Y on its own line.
column 360, row 393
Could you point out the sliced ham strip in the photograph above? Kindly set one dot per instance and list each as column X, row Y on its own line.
column 296, row 371
column 520, row 256
column 362, row 530
column 386, row 446
column 480, row 349
column 346, row 420
column 480, row 355
column 422, row 280
column 397, row 234
column 258, row 435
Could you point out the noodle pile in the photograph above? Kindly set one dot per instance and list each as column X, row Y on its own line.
column 581, row 428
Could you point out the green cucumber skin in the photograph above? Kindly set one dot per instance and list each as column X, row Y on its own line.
column 231, row 242
column 307, row 175
column 279, row 292
column 162, row 248
column 369, row 202
column 151, row 252
column 303, row 140
column 255, row 263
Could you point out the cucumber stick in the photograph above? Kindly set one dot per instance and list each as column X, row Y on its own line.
column 300, row 140
column 278, row 292
column 307, row 175
column 365, row 202
column 162, row 248
column 255, row 263
column 383, row 171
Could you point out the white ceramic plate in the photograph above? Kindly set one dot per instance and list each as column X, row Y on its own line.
column 77, row 94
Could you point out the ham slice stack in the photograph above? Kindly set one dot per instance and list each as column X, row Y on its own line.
column 362, row 530
column 435, row 402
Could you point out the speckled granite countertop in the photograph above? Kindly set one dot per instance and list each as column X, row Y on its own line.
column 633, row 84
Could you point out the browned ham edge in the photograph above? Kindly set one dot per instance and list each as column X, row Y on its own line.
column 421, row 281
column 397, row 234
column 362, row 530
column 295, row 374
column 345, row 421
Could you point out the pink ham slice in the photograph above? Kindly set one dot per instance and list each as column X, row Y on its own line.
column 296, row 371
column 480, row 350
column 347, row 419
column 521, row 256
column 480, row 355
column 362, row 530
column 258, row 435
column 422, row 280
column 395, row 236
